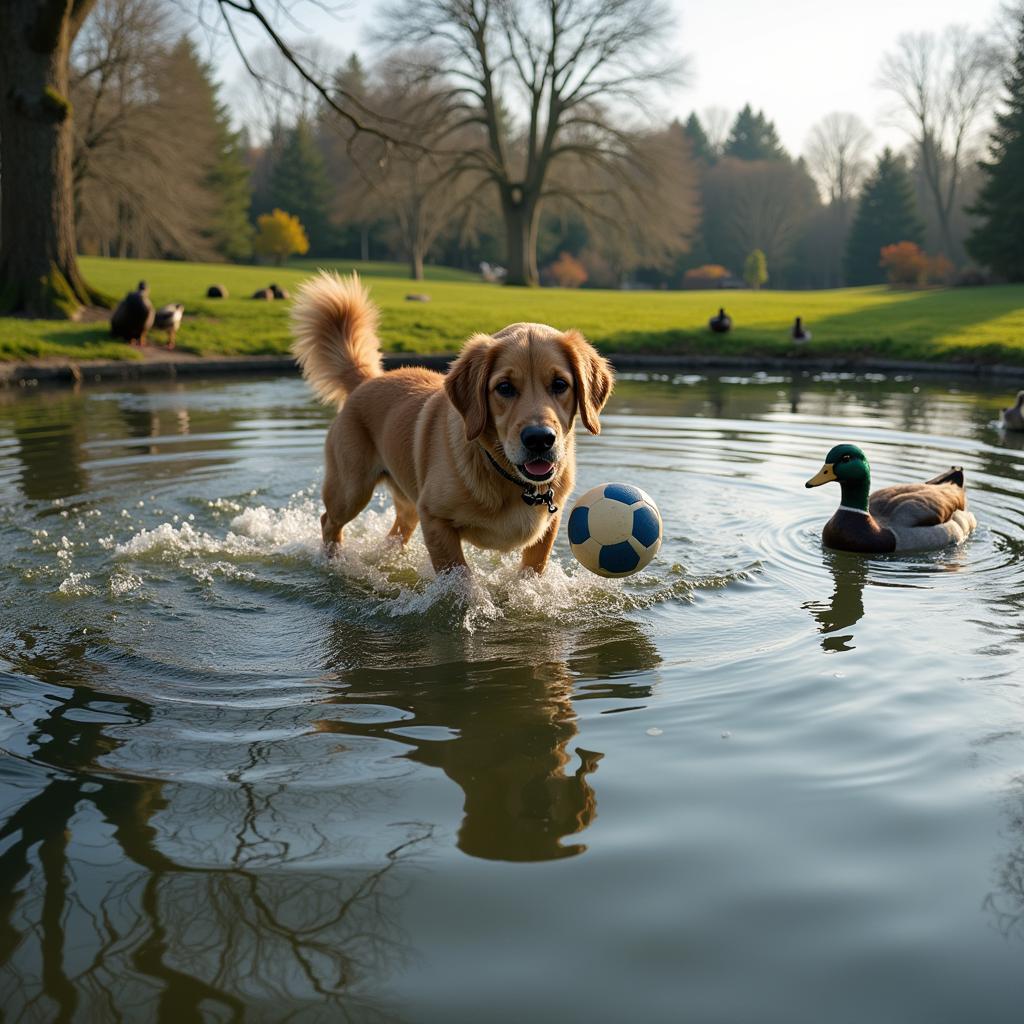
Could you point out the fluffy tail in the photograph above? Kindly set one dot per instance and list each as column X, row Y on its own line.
column 334, row 324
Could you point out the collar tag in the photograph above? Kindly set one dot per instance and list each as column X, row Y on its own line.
column 530, row 495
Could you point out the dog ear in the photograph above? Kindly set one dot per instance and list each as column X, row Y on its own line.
column 594, row 378
column 466, row 383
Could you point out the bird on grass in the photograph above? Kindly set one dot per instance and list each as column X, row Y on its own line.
column 168, row 318
column 721, row 324
column 906, row 517
column 799, row 333
column 133, row 317
column 1013, row 418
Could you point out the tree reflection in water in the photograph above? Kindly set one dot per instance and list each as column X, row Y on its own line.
column 111, row 907
column 247, row 889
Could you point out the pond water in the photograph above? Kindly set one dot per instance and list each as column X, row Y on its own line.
column 758, row 782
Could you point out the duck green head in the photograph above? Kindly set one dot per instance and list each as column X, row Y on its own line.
column 848, row 466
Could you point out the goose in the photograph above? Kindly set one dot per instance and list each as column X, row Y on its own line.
column 722, row 323
column 799, row 333
column 1013, row 418
column 168, row 318
column 906, row 517
column 133, row 316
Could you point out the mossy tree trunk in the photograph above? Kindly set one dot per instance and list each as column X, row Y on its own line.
column 39, row 273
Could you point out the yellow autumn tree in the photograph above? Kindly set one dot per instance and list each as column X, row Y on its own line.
column 280, row 235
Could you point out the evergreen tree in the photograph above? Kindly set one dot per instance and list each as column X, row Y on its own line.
column 998, row 242
column 886, row 214
column 187, row 90
column 699, row 144
column 753, row 137
column 298, row 184
column 230, row 230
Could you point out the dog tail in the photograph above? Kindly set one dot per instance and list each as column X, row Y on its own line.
column 334, row 325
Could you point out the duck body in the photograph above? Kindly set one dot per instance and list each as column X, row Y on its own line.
column 907, row 517
column 133, row 317
column 1013, row 418
column 721, row 324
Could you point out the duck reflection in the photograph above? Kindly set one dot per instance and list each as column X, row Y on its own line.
column 123, row 898
column 497, row 717
column 845, row 608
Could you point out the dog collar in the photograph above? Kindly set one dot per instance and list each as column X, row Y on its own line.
column 530, row 494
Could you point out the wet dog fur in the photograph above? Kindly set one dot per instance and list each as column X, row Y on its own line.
column 425, row 434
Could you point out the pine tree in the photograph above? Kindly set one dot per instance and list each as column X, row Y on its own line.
column 998, row 242
column 886, row 214
column 699, row 144
column 298, row 184
column 230, row 230
column 753, row 137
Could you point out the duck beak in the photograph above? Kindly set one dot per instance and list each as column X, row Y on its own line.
column 823, row 476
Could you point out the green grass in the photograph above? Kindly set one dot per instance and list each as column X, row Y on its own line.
column 983, row 325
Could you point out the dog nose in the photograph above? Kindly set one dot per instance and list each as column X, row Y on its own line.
column 537, row 439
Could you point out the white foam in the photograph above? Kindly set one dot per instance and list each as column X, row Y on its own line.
column 399, row 580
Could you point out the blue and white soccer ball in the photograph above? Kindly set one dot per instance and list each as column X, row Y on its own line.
column 615, row 529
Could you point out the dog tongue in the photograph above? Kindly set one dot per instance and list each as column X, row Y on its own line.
column 538, row 467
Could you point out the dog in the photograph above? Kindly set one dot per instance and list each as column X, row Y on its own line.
column 484, row 454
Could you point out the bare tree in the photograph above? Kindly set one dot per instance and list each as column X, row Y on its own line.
column 39, row 273
column 717, row 121
column 540, row 78
column 757, row 204
column 145, row 134
column 944, row 86
column 837, row 155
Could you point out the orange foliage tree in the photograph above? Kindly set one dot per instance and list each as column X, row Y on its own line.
column 710, row 275
column 567, row 271
column 904, row 263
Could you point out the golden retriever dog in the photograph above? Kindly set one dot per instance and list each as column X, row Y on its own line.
column 484, row 454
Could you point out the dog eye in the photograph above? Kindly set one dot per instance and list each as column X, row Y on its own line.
column 559, row 386
column 505, row 389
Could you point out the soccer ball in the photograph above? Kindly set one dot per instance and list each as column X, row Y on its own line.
column 615, row 529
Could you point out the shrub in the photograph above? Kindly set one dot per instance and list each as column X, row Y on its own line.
column 280, row 235
column 710, row 275
column 567, row 271
column 905, row 264
column 755, row 270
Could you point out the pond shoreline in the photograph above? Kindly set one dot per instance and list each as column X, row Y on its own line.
column 163, row 365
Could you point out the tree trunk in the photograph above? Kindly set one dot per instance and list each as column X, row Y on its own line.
column 416, row 263
column 39, row 273
column 520, row 239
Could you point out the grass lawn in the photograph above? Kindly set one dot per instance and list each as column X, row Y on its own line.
column 965, row 324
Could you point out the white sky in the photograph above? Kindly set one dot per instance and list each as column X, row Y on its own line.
column 795, row 59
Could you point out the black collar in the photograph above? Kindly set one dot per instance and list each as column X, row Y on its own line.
column 530, row 495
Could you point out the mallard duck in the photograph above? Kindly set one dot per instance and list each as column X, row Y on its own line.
column 1013, row 418
column 133, row 316
column 168, row 318
column 722, row 323
column 907, row 517
column 799, row 333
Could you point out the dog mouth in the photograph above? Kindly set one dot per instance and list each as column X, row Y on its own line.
column 537, row 470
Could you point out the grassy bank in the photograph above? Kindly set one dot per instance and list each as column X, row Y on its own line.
column 970, row 325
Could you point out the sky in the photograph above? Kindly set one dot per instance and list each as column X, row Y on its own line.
column 798, row 60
